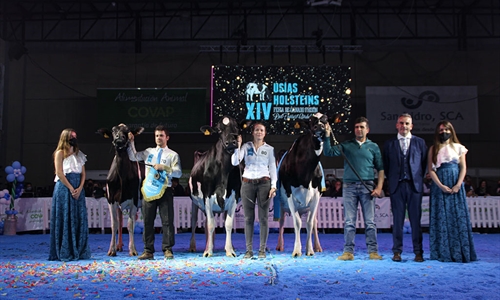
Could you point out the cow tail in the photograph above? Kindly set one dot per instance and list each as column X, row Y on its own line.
column 277, row 197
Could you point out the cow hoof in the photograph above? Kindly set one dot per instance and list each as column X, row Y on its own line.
column 111, row 253
column 230, row 254
column 207, row 254
column 133, row 253
column 296, row 254
column 279, row 248
column 310, row 254
column 192, row 250
column 318, row 249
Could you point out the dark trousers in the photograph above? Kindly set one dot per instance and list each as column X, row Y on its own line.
column 405, row 198
column 250, row 193
column 166, row 207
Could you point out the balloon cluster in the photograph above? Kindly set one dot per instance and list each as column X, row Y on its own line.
column 15, row 175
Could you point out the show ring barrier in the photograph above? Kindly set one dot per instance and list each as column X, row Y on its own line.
column 34, row 214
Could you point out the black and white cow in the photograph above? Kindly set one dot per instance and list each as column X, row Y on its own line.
column 300, row 178
column 198, row 154
column 234, row 182
column 122, row 187
column 280, row 245
column 215, row 183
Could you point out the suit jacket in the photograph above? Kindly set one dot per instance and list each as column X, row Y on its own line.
column 393, row 162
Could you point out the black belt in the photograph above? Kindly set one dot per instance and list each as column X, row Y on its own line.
column 255, row 181
column 405, row 180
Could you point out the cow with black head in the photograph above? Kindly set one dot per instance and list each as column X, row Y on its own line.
column 215, row 183
column 122, row 187
column 300, row 180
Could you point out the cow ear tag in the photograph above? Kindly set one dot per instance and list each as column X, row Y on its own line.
column 297, row 125
column 106, row 136
column 206, row 132
column 225, row 121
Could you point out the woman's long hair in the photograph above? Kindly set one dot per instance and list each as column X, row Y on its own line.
column 64, row 145
column 437, row 141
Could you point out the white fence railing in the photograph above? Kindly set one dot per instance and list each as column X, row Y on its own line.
column 34, row 214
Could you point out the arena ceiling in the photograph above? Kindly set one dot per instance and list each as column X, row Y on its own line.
column 460, row 23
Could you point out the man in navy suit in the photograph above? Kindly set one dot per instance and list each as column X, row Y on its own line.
column 405, row 159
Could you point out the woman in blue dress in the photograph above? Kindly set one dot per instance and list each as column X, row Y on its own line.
column 450, row 228
column 69, row 230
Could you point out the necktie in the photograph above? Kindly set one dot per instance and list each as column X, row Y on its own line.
column 158, row 158
column 404, row 145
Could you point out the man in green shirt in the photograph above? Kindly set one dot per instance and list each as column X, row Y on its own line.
column 364, row 156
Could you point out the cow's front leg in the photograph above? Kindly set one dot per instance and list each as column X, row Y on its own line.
column 297, row 224
column 114, row 226
column 281, row 242
column 119, row 244
column 131, row 227
column 312, row 226
column 317, row 245
column 194, row 220
column 209, row 247
column 228, row 223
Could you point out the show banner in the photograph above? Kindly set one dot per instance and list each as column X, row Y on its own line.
column 281, row 96
column 33, row 215
column 427, row 105
column 180, row 110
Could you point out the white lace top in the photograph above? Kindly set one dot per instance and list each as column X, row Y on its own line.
column 450, row 153
column 73, row 164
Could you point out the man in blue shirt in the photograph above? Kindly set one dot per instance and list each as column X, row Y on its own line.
column 364, row 156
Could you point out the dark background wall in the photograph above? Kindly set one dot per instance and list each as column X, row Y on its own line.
column 52, row 85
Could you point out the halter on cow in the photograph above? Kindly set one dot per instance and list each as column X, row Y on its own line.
column 123, row 183
column 300, row 180
column 214, row 183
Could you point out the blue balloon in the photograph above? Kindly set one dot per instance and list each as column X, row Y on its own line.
column 16, row 165
column 20, row 178
column 11, row 177
column 9, row 170
column 20, row 185
column 23, row 169
column 7, row 196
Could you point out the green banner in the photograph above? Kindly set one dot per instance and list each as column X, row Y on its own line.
column 180, row 110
